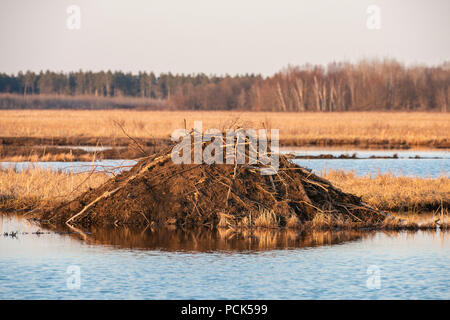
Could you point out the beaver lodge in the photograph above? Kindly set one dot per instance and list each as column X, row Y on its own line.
column 157, row 191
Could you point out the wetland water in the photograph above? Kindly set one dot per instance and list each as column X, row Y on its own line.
column 198, row 264
column 146, row 264
column 431, row 163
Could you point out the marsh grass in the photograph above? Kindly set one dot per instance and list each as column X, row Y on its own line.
column 293, row 222
column 388, row 192
column 59, row 157
column 35, row 187
column 266, row 219
column 355, row 128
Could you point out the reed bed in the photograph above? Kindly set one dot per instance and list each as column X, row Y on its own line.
column 392, row 193
column 36, row 187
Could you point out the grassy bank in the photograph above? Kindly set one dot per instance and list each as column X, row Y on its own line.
column 16, row 153
column 35, row 187
column 30, row 189
column 364, row 129
column 394, row 194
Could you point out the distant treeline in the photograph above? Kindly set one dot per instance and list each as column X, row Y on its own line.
column 54, row 101
column 367, row 85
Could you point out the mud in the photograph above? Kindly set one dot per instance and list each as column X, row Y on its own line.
column 35, row 149
column 352, row 157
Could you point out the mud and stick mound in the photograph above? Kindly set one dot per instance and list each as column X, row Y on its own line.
column 156, row 191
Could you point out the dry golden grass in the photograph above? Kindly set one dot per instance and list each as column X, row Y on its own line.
column 266, row 219
column 63, row 157
column 388, row 192
column 34, row 187
column 417, row 128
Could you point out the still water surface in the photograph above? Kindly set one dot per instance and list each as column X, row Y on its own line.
column 151, row 264
column 418, row 163
column 432, row 163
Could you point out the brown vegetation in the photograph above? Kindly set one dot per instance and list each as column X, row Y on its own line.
column 363, row 129
column 368, row 85
column 36, row 187
column 15, row 153
column 395, row 193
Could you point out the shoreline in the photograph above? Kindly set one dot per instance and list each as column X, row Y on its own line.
column 396, row 223
column 17, row 149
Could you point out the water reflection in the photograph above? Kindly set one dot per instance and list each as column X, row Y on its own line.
column 188, row 240
column 176, row 239
column 206, row 240
column 200, row 264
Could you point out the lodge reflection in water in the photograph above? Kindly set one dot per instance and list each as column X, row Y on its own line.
column 204, row 240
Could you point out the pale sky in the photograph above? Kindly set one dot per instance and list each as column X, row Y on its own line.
column 217, row 37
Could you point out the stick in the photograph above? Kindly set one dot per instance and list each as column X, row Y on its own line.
column 137, row 144
column 104, row 195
